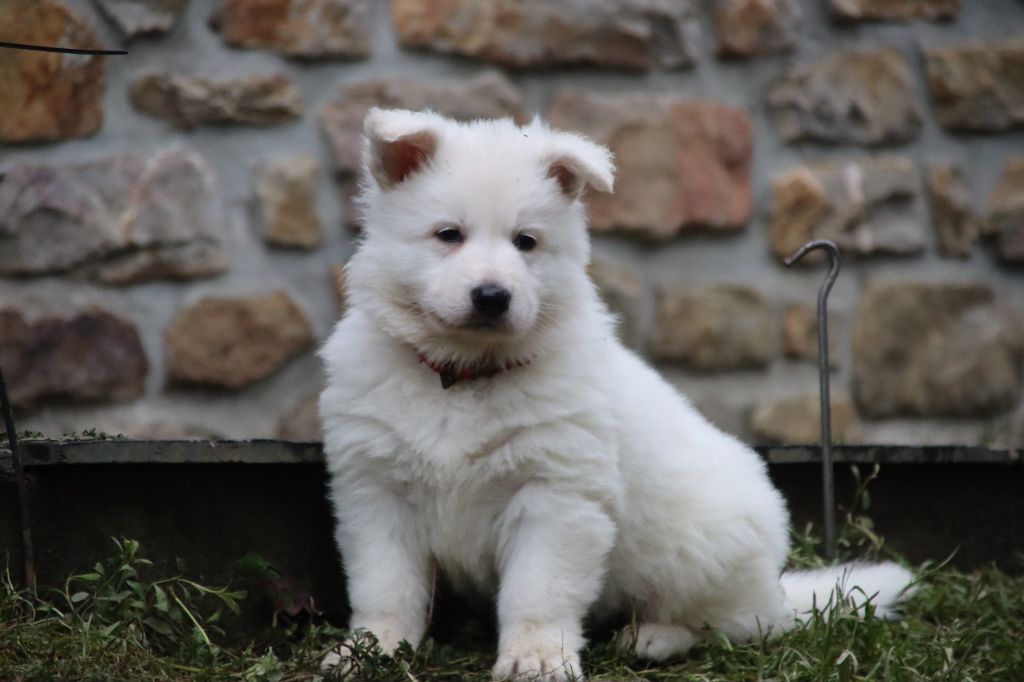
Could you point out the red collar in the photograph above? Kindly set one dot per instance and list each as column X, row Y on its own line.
column 450, row 373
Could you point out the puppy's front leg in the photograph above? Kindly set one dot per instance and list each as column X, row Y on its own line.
column 386, row 565
column 551, row 561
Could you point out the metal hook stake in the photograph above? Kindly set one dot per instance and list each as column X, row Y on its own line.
column 835, row 259
column 27, row 553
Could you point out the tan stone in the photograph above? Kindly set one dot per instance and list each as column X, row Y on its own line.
column 142, row 17
column 680, row 165
column 800, row 334
column 935, row 350
column 797, row 421
column 48, row 96
column 234, row 342
column 187, row 102
column 955, row 227
column 286, row 191
column 894, row 9
column 866, row 206
column 92, row 355
column 300, row 28
column 748, row 28
column 632, row 34
column 799, row 205
column 854, row 96
column 117, row 220
column 302, row 423
column 978, row 87
column 623, row 293
column 715, row 329
column 488, row 95
column 1005, row 214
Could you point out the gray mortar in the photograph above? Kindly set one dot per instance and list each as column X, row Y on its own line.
column 234, row 153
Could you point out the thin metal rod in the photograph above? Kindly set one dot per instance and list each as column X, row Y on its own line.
column 828, row 486
column 59, row 50
column 27, row 553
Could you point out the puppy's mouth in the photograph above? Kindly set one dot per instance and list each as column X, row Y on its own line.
column 473, row 325
column 476, row 325
column 486, row 324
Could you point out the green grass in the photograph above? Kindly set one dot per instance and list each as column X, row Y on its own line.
column 117, row 622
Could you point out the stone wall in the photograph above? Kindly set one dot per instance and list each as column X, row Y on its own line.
column 172, row 222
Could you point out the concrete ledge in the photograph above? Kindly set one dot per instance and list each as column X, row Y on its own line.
column 211, row 502
column 41, row 453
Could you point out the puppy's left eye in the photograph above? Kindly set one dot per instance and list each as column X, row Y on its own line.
column 524, row 242
column 450, row 235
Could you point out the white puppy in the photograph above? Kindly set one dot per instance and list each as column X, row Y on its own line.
column 480, row 416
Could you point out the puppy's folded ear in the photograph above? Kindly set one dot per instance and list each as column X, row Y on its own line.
column 575, row 163
column 398, row 143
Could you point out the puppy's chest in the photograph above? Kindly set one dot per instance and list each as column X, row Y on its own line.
column 461, row 526
column 468, row 432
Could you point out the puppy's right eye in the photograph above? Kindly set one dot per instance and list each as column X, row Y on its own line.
column 450, row 235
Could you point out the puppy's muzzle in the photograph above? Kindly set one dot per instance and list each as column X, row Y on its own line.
column 490, row 301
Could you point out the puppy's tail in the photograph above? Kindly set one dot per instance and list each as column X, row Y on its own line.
column 854, row 586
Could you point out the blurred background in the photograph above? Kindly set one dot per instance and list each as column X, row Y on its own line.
column 174, row 222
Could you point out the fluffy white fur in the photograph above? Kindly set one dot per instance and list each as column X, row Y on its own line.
column 577, row 482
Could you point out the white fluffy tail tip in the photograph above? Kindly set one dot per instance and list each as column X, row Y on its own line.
column 882, row 586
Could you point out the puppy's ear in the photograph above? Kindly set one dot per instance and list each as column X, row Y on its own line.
column 398, row 143
column 575, row 163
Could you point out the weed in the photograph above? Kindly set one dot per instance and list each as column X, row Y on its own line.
column 118, row 623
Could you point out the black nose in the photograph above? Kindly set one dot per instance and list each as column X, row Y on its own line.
column 491, row 300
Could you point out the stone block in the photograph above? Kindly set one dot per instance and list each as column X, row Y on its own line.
column 866, row 206
column 117, row 220
column 629, row 34
column 188, row 102
column 884, row 10
column 978, row 87
column 800, row 334
column 305, row 29
column 88, row 356
column 135, row 18
column 850, row 97
column 797, row 421
column 286, row 194
column 715, row 329
column 234, row 342
column 956, row 229
column 934, row 350
column 1005, row 214
column 680, row 165
column 48, row 96
column 751, row 28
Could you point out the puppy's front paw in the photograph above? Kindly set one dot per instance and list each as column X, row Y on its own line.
column 336, row 661
column 545, row 665
column 361, row 644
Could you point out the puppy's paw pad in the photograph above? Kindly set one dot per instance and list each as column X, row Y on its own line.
column 655, row 641
column 537, row 667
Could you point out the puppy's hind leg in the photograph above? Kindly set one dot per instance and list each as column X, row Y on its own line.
column 656, row 641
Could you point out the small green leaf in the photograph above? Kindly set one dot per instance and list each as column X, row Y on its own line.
column 79, row 597
column 158, row 625
column 161, row 598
